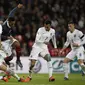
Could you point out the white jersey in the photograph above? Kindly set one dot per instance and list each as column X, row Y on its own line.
column 75, row 37
column 43, row 36
column 0, row 29
column 2, row 53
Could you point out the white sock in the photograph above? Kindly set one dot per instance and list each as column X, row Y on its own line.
column 83, row 67
column 1, row 77
column 30, row 74
column 65, row 67
column 12, row 73
column 50, row 69
column 30, row 71
column 16, row 76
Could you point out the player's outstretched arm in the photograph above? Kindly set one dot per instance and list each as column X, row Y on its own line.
column 12, row 13
column 65, row 45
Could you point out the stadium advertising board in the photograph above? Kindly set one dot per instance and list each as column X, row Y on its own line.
column 74, row 67
column 57, row 65
column 40, row 67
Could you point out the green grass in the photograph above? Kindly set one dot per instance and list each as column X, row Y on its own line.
column 42, row 79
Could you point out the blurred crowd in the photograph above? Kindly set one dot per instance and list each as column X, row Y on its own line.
column 34, row 12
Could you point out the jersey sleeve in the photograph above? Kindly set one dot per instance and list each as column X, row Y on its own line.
column 82, row 37
column 12, row 13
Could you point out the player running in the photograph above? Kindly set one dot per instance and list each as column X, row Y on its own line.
column 43, row 36
column 76, row 39
column 8, row 41
column 3, row 65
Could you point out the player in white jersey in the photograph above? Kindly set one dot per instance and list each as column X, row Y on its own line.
column 76, row 39
column 3, row 65
column 43, row 36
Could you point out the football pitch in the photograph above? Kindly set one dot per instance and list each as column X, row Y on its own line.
column 42, row 79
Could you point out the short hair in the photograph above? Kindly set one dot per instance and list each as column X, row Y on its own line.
column 47, row 22
column 70, row 22
column 11, row 19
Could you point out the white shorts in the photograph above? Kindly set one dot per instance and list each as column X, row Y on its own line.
column 79, row 53
column 2, row 56
column 36, row 52
column 7, row 46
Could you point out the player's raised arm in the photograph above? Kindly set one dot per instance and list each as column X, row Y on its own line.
column 54, row 40
column 12, row 13
column 66, row 44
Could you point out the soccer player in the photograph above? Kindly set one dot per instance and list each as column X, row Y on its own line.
column 7, row 37
column 3, row 66
column 76, row 39
column 43, row 36
column 83, row 74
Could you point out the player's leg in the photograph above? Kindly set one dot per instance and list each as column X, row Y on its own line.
column 68, row 58
column 45, row 54
column 17, row 48
column 8, row 50
column 8, row 59
column 65, row 68
column 2, row 77
column 4, row 68
column 81, row 63
column 32, row 64
column 33, row 58
column 7, row 47
column 80, row 55
column 10, row 72
column 83, row 73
